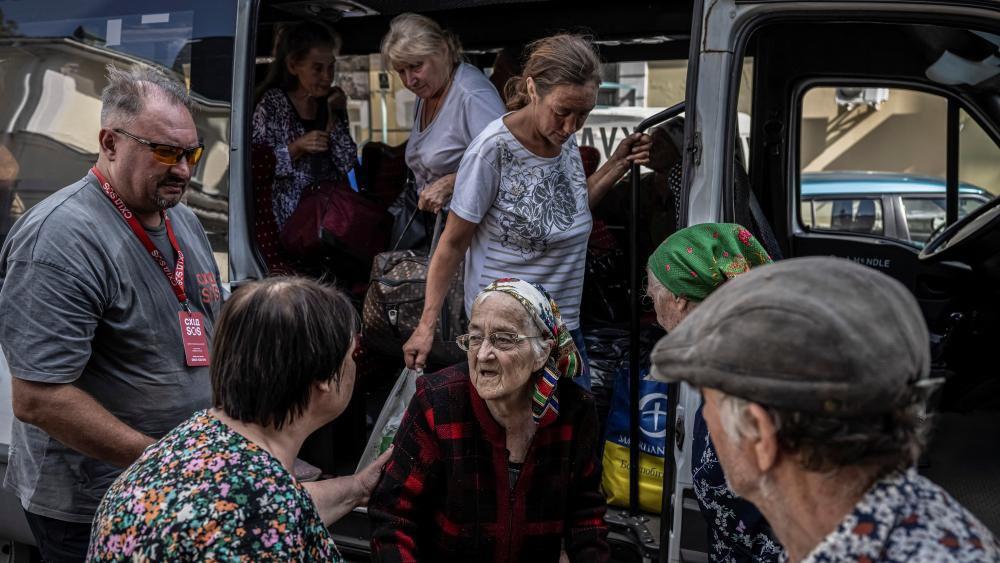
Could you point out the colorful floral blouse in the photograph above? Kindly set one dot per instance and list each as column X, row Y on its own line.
column 906, row 518
column 276, row 124
column 206, row 493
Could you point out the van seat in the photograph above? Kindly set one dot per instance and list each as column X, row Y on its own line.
column 384, row 171
column 262, row 162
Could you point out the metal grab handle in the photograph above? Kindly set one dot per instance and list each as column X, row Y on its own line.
column 670, row 465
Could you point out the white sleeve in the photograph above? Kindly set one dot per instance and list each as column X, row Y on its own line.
column 476, row 187
column 482, row 107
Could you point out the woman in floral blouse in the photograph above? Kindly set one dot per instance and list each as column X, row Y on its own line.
column 685, row 269
column 293, row 118
column 220, row 486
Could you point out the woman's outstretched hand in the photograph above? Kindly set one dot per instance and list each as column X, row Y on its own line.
column 336, row 497
column 416, row 349
column 368, row 477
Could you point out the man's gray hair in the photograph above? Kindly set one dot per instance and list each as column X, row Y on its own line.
column 889, row 441
column 124, row 98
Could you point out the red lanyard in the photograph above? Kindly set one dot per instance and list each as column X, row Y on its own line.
column 176, row 278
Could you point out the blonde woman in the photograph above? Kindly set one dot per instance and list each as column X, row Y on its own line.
column 522, row 203
column 455, row 101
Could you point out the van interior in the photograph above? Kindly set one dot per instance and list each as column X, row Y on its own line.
column 493, row 36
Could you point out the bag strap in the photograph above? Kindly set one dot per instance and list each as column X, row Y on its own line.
column 443, row 325
column 402, row 234
column 438, row 229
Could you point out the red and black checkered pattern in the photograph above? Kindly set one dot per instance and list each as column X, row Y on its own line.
column 445, row 494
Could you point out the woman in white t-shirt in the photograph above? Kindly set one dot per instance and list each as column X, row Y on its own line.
column 521, row 204
column 455, row 101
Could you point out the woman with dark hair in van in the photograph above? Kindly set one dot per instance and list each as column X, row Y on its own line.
column 455, row 101
column 522, row 204
column 220, row 485
column 310, row 139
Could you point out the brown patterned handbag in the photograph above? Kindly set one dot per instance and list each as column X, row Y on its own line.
column 395, row 301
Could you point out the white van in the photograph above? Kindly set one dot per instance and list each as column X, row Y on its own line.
column 778, row 79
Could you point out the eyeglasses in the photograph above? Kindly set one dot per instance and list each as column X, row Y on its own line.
column 502, row 341
column 168, row 154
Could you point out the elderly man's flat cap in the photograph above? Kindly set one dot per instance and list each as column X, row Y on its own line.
column 821, row 335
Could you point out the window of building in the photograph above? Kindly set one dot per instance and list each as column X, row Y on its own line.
column 865, row 148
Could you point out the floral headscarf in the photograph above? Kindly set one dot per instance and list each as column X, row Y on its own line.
column 692, row 262
column 563, row 361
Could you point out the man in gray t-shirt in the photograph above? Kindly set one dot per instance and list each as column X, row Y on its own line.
column 92, row 309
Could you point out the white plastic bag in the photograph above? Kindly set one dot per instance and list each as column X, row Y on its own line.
column 390, row 417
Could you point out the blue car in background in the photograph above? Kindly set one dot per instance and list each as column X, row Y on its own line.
column 897, row 206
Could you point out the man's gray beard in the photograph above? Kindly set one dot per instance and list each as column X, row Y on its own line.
column 163, row 204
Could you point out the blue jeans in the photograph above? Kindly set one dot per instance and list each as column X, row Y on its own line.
column 583, row 380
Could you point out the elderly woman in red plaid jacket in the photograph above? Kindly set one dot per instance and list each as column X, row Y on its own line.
column 496, row 460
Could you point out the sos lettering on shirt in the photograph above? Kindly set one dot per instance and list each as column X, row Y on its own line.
column 208, row 288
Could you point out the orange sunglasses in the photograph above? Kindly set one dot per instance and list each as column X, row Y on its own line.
column 168, row 154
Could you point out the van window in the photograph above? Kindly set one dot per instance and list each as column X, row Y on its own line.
column 925, row 215
column 862, row 216
column 887, row 145
column 52, row 72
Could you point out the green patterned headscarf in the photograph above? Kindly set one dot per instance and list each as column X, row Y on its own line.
column 692, row 262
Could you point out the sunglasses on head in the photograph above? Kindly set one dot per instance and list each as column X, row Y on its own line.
column 168, row 154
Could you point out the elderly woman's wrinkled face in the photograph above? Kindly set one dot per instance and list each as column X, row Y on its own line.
column 562, row 111
column 314, row 71
column 502, row 374
column 426, row 77
column 670, row 310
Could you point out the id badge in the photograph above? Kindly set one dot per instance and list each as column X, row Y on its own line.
column 194, row 337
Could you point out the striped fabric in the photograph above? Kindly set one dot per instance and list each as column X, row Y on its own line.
column 545, row 403
column 445, row 494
